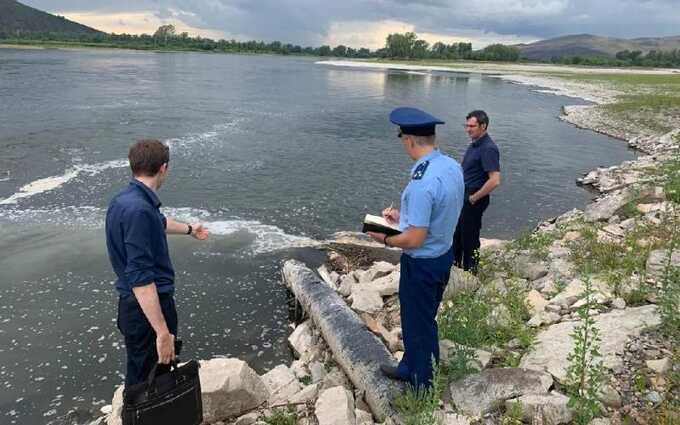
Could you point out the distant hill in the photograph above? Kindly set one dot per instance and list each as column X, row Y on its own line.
column 586, row 45
column 19, row 18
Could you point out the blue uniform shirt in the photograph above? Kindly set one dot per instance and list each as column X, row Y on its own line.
column 433, row 199
column 136, row 240
column 481, row 158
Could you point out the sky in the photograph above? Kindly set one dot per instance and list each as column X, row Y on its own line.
column 366, row 23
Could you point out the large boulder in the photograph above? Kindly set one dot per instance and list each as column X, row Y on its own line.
column 377, row 270
column 546, row 409
column 448, row 349
column 230, row 388
column 335, row 406
column 281, row 383
column 387, row 285
column 607, row 206
column 481, row 393
column 553, row 345
column 366, row 299
column 659, row 259
column 460, row 281
column 528, row 268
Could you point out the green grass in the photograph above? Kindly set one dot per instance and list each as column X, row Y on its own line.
column 417, row 406
column 629, row 79
column 282, row 417
column 536, row 242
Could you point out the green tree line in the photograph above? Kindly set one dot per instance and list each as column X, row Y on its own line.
column 400, row 46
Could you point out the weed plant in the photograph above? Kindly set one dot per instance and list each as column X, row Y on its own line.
column 418, row 406
column 282, row 416
column 585, row 371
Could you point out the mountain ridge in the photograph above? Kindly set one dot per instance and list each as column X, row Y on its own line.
column 16, row 17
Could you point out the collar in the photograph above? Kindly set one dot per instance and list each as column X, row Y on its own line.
column 153, row 198
column 479, row 141
column 430, row 156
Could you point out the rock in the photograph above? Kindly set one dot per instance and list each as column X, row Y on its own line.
column 607, row 206
column 115, row 418
column 543, row 318
column 318, row 371
column 660, row 366
column 553, row 308
column 448, row 348
column 363, row 417
column 366, row 299
column 492, row 244
column 657, row 261
column 308, row 393
column 654, row 397
column 229, row 388
column 281, row 383
column 546, row 409
column 335, row 378
column 647, row 208
column 552, row 345
column 570, row 294
column 247, row 419
column 391, row 339
column 600, row 421
column 335, row 406
column 536, row 301
column 528, row 268
column 387, row 285
column 482, row 392
column 572, row 236
column 562, row 268
column 619, row 303
column 302, row 338
column 609, row 396
column 451, row 418
column 299, row 369
column 347, row 282
column 378, row 270
column 326, row 276
column 460, row 281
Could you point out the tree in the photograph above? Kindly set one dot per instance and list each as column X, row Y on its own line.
column 164, row 32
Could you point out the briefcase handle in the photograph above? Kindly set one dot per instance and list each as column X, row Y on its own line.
column 152, row 374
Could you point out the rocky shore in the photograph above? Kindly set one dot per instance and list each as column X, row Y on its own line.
column 527, row 304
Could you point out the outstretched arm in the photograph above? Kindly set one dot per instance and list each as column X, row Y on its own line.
column 198, row 231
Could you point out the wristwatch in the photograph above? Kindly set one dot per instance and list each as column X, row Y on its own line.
column 191, row 229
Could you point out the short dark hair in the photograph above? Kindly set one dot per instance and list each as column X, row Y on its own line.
column 481, row 116
column 146, row 157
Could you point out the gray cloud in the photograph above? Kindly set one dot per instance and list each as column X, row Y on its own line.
column 308, row 21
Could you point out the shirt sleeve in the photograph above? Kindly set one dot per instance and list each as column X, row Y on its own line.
column 420, row 207
column 139, row 269
column 490, row 159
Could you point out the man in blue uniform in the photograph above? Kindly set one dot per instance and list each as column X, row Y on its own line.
column 481, row 168
column 429, row 210
column 138, row 249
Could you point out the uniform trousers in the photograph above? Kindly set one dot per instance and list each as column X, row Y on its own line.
column 421, row 287
column 140, row 338
column 466, row 237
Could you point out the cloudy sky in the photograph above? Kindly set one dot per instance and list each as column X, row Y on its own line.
column 366, row 23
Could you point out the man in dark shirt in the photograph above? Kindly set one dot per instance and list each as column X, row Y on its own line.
column 138, row 249
column 481, row 171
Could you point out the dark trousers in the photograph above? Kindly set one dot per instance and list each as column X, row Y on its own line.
column 140, row 338
column 421, row 287
column 466, row 237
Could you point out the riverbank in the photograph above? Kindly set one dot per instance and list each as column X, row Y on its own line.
column 523, row 308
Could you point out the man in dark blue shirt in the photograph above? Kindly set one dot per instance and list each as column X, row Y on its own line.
column 481, row 171
column 138, row 249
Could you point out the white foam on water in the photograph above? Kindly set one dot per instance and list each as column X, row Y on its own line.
column 51, row 183
column 54, row 182
column 266, row 238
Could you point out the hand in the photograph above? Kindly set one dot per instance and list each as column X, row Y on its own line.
column 378, row 237
column 391, row 214
column 165, row 346
column 199, row 232
column 472, row 200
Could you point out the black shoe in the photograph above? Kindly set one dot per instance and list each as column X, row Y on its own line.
column 391, row 372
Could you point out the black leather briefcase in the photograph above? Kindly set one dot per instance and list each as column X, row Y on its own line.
column 173, row 398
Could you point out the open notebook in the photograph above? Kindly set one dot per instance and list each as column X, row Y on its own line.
column 375, row 223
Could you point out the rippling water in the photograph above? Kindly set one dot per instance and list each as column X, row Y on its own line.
column 273, row 153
